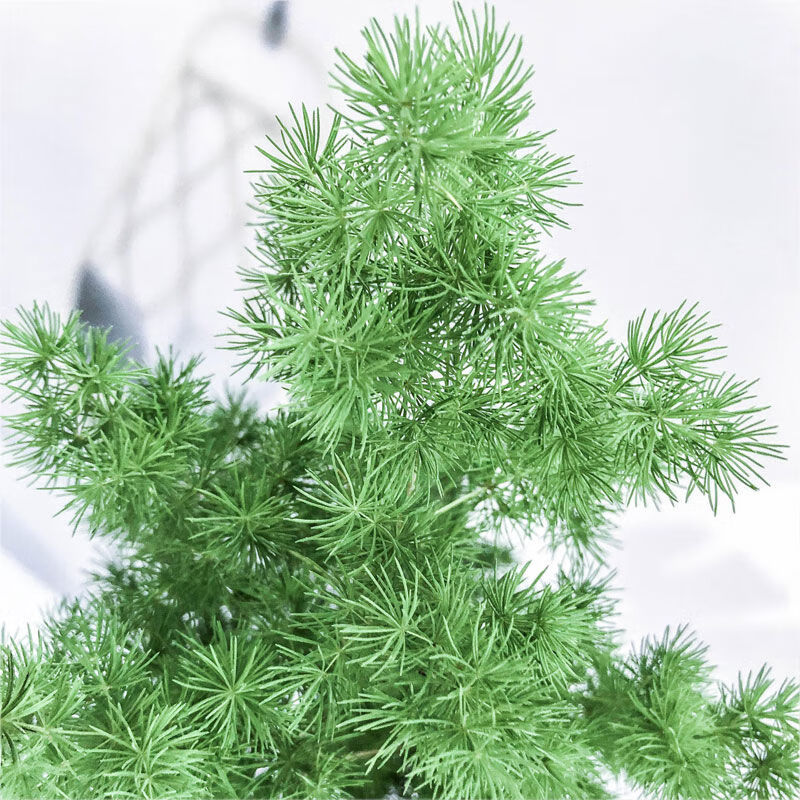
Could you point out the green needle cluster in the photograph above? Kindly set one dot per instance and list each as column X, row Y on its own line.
column 322, row 601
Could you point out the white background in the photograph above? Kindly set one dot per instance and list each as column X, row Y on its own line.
column 685, row 125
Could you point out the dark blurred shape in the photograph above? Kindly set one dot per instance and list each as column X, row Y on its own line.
column 103, row 307
column 276, row 23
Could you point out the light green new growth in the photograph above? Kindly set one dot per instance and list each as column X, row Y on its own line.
column 321, row 602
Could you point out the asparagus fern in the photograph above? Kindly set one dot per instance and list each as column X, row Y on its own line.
column 322, row 601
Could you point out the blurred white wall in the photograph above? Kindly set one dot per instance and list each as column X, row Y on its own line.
column 685, row 124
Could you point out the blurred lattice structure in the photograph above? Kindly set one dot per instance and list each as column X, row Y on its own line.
column 168, row 241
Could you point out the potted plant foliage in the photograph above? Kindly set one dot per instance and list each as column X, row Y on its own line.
column 320, row 601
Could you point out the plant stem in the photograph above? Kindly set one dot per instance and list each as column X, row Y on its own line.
column 458, row 501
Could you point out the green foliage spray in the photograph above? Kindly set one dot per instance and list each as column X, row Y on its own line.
column 321, row 602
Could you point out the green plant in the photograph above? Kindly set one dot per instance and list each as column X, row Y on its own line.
column 322, row 602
